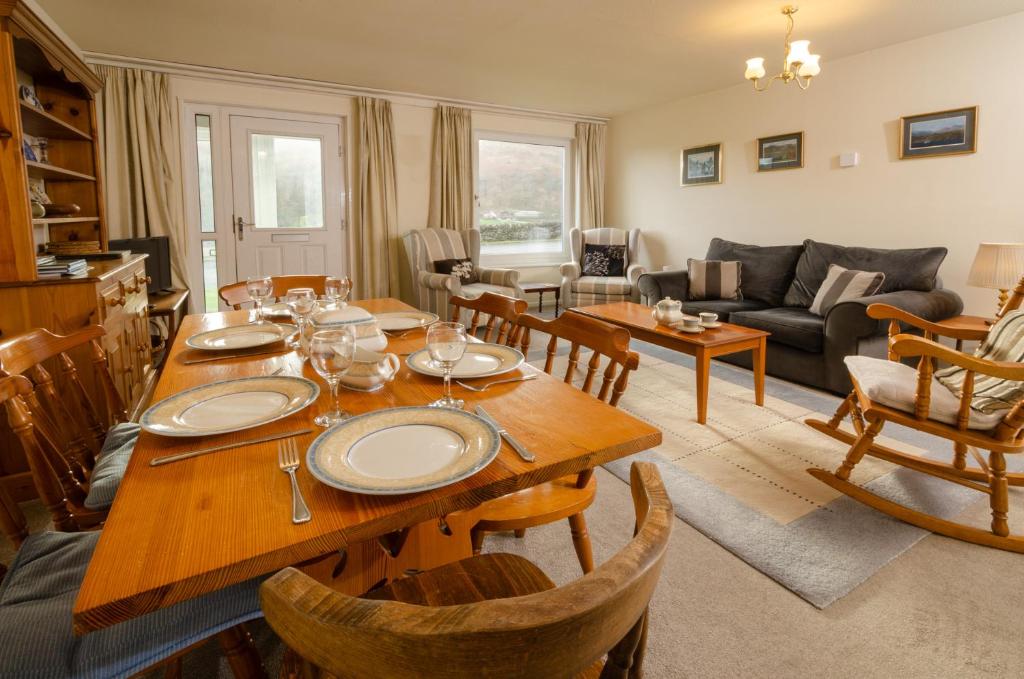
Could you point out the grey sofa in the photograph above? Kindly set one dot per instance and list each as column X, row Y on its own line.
column 778, row 285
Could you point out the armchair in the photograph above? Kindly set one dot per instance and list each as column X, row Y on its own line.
column 580, row 290
column 434, row 290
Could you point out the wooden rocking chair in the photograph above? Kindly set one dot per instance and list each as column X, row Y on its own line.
column 890, row 391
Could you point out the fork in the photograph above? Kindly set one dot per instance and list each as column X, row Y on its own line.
column 288, row 460
column 485, row 387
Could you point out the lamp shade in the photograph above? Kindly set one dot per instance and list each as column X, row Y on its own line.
column 810, row 67
column 799, row 51
column 997, row 266
column 755, row 68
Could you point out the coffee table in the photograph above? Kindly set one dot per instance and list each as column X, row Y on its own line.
column 725, row 339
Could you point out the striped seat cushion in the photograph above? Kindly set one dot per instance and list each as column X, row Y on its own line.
column 113, row 460
column 713, row 279
column 841, row 284
column 602, row 285
column 1005, row 342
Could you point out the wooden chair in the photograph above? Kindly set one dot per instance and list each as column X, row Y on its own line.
column 889, row 391
column 61, row 430
column 567, row 497
column 496, row 615
column 235, row 295
column 500, row 310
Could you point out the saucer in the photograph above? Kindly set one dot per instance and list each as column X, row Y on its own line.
column 681, row 328
column 716, row 324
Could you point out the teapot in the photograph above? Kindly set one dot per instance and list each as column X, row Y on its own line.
column 668, row 311
column 370, row 370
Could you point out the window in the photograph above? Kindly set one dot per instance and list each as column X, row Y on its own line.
column 522, row 199
column 204, row 190
column 287, row 182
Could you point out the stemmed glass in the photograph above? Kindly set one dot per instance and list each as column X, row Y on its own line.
column 259, row 289
column 336, row 290
column 446, row 343
column 301, row 303
column 330, row 354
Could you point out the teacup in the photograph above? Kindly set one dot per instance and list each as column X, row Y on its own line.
column 370, row 370
column 691, row 323
column 708, row 318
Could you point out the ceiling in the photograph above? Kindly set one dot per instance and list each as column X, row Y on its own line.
column 595, row 57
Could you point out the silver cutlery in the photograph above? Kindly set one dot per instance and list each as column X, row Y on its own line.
column 207, row 359
column 288, row 461
column 485, row 387
column 167, row 459
column 516, row 445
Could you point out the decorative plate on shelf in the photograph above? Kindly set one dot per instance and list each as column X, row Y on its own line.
column 480, row 360
column 403, row 450
column 247, row 336
column 405, row 320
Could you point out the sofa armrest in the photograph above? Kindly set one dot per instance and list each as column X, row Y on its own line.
column 507, row 278
column 849, row 318
column 660, row 284
column 570, row 270
column 439, row 281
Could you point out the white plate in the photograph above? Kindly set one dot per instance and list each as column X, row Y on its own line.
column 405, row 320
column 240, row 336
column 403, row 450
column 344, row 316
column 714, row 324
column 480, row 360
column 229, row 406
column 681, row 328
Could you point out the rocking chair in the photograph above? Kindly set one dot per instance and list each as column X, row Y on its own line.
column 977, row 403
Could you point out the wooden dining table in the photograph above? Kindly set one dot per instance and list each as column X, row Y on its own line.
column 195, row 526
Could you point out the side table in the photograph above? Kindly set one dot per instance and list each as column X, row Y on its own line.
column 540, row 289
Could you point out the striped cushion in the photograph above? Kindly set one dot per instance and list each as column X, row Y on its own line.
column 842, row 284
column 602, row 285
column 714, row 279
column 113, row 460
column 1005, row 342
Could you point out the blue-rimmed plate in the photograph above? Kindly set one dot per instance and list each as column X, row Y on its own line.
column 403, row 450
column 480, row 360
column 234, row 337
column 232, row 405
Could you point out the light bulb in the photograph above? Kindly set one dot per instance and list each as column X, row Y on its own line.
column 755, row 68
column 799, row 52
column 810, row 67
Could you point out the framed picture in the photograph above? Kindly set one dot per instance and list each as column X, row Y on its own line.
column 781, row 152
column 701, row 165
column 942, row 133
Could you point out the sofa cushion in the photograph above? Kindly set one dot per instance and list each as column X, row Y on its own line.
column 911, row 269
column 842, row 284
column 723, row 307
column 714, row 279
column 767, row 270
column 798, row 328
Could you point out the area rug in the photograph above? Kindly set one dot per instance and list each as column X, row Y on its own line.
column 741, row 480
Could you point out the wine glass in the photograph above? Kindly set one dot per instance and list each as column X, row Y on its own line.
column 301, row 303
column 259, row 289
column 336, row 290
column 330, row 354
column 446, row 343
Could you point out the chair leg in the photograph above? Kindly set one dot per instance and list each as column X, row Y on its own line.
column 477, row 537
column 581, row 541
column 240, row 651
column 859, row 448
column 999, row 501
column 960, row 455
column 842, row 411
column 520, row 532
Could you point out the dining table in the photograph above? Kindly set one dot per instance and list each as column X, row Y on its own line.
column 181, row 530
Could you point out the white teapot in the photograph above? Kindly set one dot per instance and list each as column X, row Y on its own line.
column 668, row 311
column 370, row 370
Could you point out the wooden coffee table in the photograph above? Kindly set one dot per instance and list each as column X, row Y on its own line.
column 726, row 339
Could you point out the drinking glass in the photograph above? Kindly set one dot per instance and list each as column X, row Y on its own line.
column 336, row 290
column 301, row 303
column 259, row 289
column 330, row 354
column 446, row 343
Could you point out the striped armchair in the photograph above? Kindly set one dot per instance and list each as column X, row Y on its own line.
column 433, row 290
column 580, row 290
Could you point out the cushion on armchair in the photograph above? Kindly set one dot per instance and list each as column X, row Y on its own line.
column 602, row 285
column 604, row 260
column 458, row 266
column 1005, row 342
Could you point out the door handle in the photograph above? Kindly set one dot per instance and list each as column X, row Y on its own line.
column 240, row 225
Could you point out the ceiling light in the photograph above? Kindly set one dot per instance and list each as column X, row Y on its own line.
column 799, row 65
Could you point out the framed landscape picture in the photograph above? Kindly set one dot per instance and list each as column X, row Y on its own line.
column 781, row 152
column 701, row 165
column 942, row 133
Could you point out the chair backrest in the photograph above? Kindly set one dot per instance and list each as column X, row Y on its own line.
column 60, row 426
column 501, row 311
column 1014, row 301
column 604, row 236
column 556, row 633
column 235, row 294
column 603, row 339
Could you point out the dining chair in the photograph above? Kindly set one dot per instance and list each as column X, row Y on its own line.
column 77, row 441
column 499, row 310
column 235, row 294
column 495, row 615
column 569, row 496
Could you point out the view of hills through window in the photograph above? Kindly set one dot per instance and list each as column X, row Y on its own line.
column 521, row 193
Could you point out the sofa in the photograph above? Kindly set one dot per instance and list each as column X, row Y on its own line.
column 778, row 284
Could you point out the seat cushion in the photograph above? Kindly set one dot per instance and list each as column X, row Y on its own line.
column 797, row 328
column 113, row 460
column 894, row 384
column 723, row 307
column 474, row 290
column 37, row 596
column 767, row 270
column 602, row 285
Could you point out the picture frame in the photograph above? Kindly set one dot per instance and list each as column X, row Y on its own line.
column 780, row 152
column 701, row 165
column 940, row 133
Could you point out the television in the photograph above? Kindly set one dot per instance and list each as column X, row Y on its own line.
column 158, row 264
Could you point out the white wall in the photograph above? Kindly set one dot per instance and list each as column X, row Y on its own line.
column 854, row 105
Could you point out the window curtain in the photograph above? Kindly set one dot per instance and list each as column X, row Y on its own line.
column 590, row 142
column 141, row 161
column 377, row 203
column 451, row 172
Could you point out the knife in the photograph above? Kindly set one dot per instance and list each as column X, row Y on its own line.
column 167, row 459
column 516, row 445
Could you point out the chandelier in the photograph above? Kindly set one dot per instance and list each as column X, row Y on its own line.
column 800, row 65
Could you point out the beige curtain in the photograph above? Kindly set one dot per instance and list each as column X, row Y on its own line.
column 141, row 160
column 451, row 172
column 590, row 142
column 376, row 199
